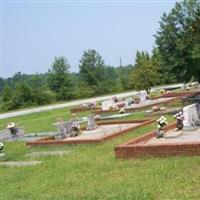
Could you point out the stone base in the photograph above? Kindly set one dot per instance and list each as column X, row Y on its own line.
column 176, row 134
column 90, row 128
column 190, row 128
column 60, row 137
column 160, row 134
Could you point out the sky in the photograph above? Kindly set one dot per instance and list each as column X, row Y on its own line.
column 33, row 33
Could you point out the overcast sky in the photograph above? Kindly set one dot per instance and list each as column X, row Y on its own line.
column 34, row 32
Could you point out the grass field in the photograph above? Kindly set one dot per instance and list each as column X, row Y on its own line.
column 91, row 172
column 40, row 122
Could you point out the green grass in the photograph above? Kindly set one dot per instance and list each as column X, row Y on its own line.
column 40, row 122
column 91, row 172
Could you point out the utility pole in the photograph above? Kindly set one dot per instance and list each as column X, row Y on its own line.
column 120, row 61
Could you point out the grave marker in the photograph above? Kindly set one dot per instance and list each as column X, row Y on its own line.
column 107, row 105
column 191, row 117
column 91, row 124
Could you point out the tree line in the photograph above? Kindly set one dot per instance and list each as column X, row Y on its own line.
column 174, row 58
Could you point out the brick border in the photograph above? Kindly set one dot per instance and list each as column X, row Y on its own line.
column 178, row 94
column 50, row 140
column 135, row 148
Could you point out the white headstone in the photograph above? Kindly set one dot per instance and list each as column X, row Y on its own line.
column 191, row 116
column 91, row 124
column 107, row 105
column 142, row 96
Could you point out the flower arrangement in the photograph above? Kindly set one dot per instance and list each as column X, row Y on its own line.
column 179, row 116
column 162, row 91
column 1, row 146
column 161, row 122
column 179, row 120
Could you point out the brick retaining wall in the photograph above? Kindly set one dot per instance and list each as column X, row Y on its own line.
column 51, row 141
column 137, row 148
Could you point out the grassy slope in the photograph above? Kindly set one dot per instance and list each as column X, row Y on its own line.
column 39, row 122
column 92, row 172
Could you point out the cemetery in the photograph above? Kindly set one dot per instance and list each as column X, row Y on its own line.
column 100, row 100
column 177, row 94
column 182, row 141
column 99, row 146
column 94, row 132
column 130, row 106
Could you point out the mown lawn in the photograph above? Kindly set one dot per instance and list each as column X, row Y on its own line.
column 91, row 172
column 40, row 122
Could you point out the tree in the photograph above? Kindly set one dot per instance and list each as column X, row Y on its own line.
column 23, row 95
column 124, row 76
column 178, row 40
column 2, row 84
column 166, row 75
column 145, row 73
column 92, row 69
column 7, row 98
column 59, row 79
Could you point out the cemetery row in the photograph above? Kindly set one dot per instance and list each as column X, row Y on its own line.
column 99, row 129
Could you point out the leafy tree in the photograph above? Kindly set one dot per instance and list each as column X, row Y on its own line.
column 166, row 75
column 111, row 81
column 145, row 74
column 23, row 95
column 7, row 98
column 140, row 58
column 123, row 74
column 59, row 79
column 92, row 68
column 82, row 89
column 2, row 84
column 178, row 40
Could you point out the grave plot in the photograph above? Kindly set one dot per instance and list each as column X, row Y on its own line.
column 178, row 94
column 143, row 104
column 5, row 135
column 163, row 112
column 175, row 143
column 182, row 141
column 96, row 133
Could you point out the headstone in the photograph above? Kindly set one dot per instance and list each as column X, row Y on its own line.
column 107, row 105
column 198, row 109
column 91, row 124
column 142, row 96
column 92, row 104
column 67, row 129
column 62, row 130
column 5, row 134
column 191, row 117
